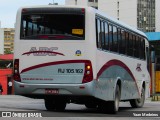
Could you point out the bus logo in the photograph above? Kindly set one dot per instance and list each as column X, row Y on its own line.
column 43, row 51
column 139, row 67
column 78, row 53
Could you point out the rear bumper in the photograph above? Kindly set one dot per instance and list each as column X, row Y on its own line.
column 87, row 89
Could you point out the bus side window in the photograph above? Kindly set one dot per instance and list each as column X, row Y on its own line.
column 130, row 45
column 127, row 43
column 119, row 39
column 139, row 44
column 122, row 46
column 23, row 27
column 115, row 39
column 134, row 45
column 106, row 37
column 142, row 48
column 111, row 37
column 102, row 35
column 137, row 47
column 98, row 32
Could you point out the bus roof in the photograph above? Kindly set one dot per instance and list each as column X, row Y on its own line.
column 93, row 9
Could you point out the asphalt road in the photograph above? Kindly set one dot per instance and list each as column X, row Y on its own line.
column 25, row 106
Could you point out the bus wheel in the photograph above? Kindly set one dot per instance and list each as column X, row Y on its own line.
column 60, row 105
column 55, row 104
column 112, row 106
column 49, row 104
column 137, row 103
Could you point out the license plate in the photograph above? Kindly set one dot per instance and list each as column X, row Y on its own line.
column 51, row 91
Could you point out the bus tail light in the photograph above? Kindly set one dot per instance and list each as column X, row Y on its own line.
column 88, row 73
column 83, row 10
column 16, row 75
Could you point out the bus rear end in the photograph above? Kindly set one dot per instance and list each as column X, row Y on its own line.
column 51, row 54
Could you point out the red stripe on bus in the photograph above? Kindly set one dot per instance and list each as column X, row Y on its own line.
column 118, row 63
column 53, row 63
column 57, row 53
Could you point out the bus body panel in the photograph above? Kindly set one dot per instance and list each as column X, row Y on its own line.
column 51, row 67
column 115, row 69
column 63, row 89
column 60, row 73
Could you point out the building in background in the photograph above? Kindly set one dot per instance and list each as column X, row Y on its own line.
column 141, row 14
column 157, row 15
column 6, row 40
column 1, row 41
column 93, row 3
column 137, row 13
column 9, row 39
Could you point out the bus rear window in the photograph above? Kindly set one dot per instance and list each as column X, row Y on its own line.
column 52, row 26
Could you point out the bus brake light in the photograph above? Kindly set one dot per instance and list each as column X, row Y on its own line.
column 88, row 73
column 16, row 74
column 83, row 10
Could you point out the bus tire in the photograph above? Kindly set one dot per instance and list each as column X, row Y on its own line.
column 138, row 103
column 112, row 106
column 60, row 105
column 49, row 104
column 55, row 105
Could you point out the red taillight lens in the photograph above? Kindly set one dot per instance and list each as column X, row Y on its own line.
column 16, row 75
column 83, row 10
column 88, row 73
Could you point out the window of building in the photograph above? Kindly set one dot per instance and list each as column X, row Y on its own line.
column 90, row 0
column 118, row 5
column 117, row 13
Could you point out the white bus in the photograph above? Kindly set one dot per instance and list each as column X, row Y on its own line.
column 73, row 54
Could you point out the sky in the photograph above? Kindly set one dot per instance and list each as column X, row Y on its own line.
column 8, row 9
